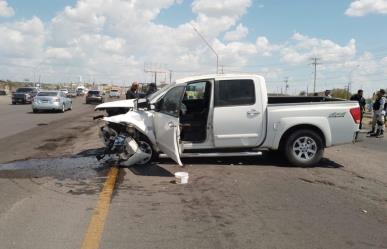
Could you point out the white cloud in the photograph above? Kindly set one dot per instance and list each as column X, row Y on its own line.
column 364, row 7
column 5, row 9
column 264, row 47
column 302, row 48
column 22, row 39
column 111, row 40
column 237, row 34
column 219, row 8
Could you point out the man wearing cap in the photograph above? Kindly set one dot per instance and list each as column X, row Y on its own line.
column 379, row 114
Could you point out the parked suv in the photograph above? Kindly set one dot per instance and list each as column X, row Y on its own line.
column 94, row 96
column 24, row 95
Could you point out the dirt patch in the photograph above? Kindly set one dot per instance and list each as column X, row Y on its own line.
column 66, row 137
column 48, row 146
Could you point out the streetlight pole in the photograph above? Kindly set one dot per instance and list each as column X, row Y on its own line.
column 208, row 44
column 350, row 80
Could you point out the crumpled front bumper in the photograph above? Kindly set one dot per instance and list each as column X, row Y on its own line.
column 131, row 152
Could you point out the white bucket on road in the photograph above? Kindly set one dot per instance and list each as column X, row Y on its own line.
column 181, row 177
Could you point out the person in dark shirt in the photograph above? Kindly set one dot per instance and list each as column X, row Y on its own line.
column 362, row 103
column 132, row 92
column 379, row 108
column 152, row 88
column 327, row 94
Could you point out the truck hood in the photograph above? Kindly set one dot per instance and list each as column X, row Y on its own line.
column 141, row 120
column 127, row 103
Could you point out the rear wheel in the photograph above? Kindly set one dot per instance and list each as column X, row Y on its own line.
column 13, row 103
column 304, row 148
column 63, row 108
column 35, row 110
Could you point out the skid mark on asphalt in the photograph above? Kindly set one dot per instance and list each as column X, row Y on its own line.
column 94, row 232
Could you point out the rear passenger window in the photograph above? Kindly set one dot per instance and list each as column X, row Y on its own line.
column 234, row 92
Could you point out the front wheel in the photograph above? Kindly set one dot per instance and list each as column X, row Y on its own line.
column 145, row 146
column 304, row 148
column 63, row 108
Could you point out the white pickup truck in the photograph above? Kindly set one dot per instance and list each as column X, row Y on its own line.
column 225, row 115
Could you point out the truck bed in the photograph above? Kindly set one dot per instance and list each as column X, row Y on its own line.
column 300, row 99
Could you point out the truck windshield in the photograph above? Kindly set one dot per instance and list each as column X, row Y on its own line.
column 24, row 90
column 158, row 93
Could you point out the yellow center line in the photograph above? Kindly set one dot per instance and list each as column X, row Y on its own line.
column 94, row 232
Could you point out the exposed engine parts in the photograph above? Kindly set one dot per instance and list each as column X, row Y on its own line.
column 122, row 144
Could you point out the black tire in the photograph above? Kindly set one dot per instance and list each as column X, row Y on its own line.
column 304, row 148
column 35, row 111
column 13, row 103
column 63, row 108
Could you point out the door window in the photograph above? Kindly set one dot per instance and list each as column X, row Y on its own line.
column 195, row 91
column 170, row 103
column 234, row 93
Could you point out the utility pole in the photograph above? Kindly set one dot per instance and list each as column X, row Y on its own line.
column 286, row 84
column 350, row 80
column 208, row 44
column 153, row 71
column 170, row 76
column 315, row 63
column 349, row 89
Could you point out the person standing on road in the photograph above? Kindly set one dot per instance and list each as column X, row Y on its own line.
column 378, row 119
column 327, row 94
column 362, row 103
column 132, row 92
column 152, row 88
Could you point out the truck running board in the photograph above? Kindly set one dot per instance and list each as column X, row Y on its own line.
column 226, row 154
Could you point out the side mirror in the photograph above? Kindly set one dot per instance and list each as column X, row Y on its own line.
column 152, row 107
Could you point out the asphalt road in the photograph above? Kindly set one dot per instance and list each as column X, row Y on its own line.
column 259, row 202
column 19, row 118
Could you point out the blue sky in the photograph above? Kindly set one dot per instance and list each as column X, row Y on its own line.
column 44, row 9
column 278, row 20
column 275, row 38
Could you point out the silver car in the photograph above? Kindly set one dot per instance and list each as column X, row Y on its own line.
column 51, row 101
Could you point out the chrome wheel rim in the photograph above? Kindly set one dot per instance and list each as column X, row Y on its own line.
column 147, row 149
column 305, row 148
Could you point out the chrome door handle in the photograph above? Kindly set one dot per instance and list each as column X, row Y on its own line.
column 171, row 125
column 253, row 112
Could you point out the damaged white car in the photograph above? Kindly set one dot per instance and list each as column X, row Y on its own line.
column 225, row 115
